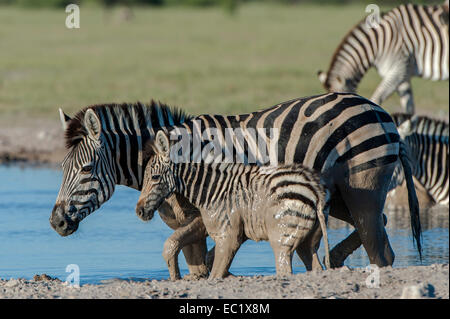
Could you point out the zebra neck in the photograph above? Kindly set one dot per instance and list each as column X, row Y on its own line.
column 127, row 157
column 127, row 129
column 354, row 57
column 200, row 182
column 185, row 178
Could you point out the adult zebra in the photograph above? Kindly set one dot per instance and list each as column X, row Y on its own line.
column 427, row 141
column 351, row 140
column 410, row 40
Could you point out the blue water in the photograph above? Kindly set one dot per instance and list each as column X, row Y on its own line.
column 114, row 243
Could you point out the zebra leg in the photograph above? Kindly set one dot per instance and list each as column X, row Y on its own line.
column 345, row 248
column 283, row 257
column 225, row 249
column 406, row 97
column 189, row 238
column 307, row 250
column 194, row 249
column 342, row 250
column 210, row 258
column 390, row 83
column 364, row 195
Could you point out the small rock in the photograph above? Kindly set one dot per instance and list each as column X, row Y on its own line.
column 355, row 288
column 418, row 291
column 11, row 283
column 43, row 277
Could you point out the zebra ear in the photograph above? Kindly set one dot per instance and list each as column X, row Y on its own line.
column 64, row 119
column 162, row 143
column 92, row 124
column 322, row 76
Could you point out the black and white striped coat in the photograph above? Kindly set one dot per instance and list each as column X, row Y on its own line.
column 353, row 142
column 428, row 154
column 410, row 40
column 281, row 204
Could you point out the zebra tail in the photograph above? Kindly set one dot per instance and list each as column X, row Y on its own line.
column 321, row 207
column 412, row 198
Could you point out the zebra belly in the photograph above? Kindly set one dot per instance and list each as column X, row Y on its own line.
column 254, row 221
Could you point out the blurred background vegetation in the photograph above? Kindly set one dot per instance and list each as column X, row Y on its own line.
column 192, row 54
column 60, row 3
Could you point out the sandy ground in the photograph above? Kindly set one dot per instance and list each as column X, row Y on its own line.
column 344, row 283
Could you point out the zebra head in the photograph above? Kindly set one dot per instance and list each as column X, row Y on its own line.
column 159, row 179
column 88, row 175
column 337, row 83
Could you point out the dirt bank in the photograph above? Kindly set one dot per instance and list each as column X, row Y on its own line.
column 412, row 282
column 37, row 142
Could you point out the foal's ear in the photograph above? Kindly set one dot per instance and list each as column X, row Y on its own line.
column 92, row 124
column 162, row 143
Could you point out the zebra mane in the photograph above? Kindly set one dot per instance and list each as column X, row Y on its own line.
column 436, row 129
column 137, row 113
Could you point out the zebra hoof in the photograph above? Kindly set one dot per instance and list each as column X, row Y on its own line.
column 336, row 261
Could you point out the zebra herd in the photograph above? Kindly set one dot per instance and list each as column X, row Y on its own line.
column 336, row 153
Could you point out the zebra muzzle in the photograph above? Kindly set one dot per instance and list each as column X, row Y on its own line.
column 144, row 212
column 61, row 222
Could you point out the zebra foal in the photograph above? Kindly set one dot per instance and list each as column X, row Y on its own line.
column 284, row 204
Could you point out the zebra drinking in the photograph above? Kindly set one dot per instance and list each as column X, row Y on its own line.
column 353, row 143
column 410, row 40
column 283, row 204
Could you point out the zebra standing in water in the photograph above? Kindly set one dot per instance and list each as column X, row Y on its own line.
column 353, row 142
column 283, row 204
column 427, row 141
column 410, row 40
column 105, row 149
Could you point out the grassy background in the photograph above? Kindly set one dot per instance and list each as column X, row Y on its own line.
column 202, row 60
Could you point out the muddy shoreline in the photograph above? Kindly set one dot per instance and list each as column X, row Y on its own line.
column 40, row 142
column 415, row 282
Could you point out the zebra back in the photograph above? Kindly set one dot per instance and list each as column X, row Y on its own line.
column 317, row 131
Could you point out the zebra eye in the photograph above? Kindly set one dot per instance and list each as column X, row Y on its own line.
column 155, row 177
column 86, row 169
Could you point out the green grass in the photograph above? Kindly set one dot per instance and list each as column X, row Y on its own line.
column 202, row 60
